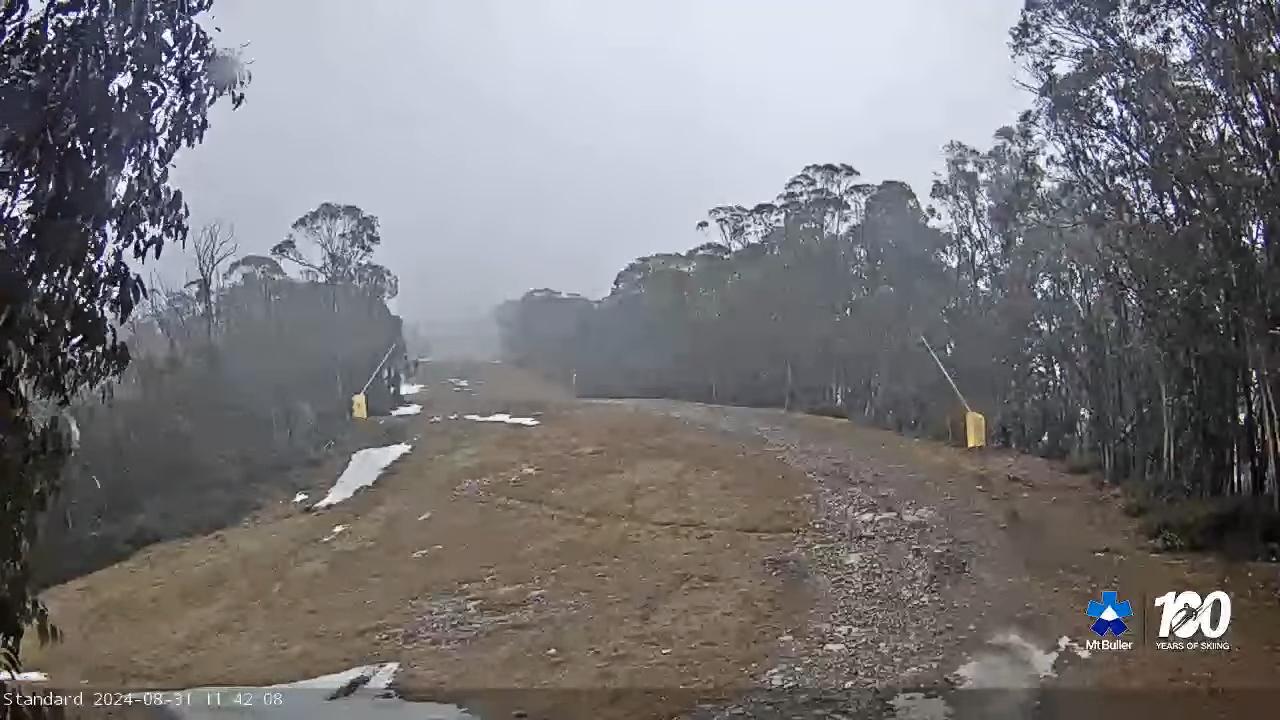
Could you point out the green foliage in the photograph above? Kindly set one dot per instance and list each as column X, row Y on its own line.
column 1103, row 281
column 833, row 283
column 95, row 101
column 1164, row 118
column 1238, row 525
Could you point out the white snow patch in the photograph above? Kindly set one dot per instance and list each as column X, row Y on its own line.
column 30, row 676
column 363, row 469
column 424, row 515
column 300, row 497
column 1066, row 643
column 458, row 383
column 371, row 697
column 1013, row 662
column 504, row 418
column 410, row 409
column 411, row 388
column 380, row 676
column 435, row 419
column 337, row 530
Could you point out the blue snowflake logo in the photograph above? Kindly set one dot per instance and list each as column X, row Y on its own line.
column 1109, row 613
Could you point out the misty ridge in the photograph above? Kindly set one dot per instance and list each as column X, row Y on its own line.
column 1102, row 280
column 238, row 378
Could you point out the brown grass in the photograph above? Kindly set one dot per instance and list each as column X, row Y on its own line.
column 623, row 550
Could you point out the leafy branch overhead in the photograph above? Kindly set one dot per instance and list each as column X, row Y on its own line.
column 95, row 103
column 334, row 244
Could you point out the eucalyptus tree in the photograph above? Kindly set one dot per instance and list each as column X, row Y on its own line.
column 95, row 101
column 1164, row 115
column 335, row 244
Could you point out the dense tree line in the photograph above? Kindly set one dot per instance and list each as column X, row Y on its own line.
column 238, row 379
column 1102, row 280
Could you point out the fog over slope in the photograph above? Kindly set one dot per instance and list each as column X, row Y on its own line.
column 510, row 145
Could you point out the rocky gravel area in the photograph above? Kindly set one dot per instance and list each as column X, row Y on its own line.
column 892, row 582
column 448, row 620
column 896, row 597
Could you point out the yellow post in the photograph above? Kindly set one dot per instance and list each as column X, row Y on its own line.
column 359, row 405
column 975, row 429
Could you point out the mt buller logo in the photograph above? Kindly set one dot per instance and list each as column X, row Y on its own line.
column 1109, row 614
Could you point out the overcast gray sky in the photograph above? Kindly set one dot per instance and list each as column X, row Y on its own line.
column 512, row 144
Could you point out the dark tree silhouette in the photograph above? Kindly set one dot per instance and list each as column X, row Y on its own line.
column 95, row 100
column 344, row 238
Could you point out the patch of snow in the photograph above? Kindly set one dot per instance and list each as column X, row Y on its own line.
column 453, row 416
column 424, row 516
column 370, row 696
column 361, row 472
column 410, row 409
column 420, row 553
column 337, row 530
column 435, row 419
column 504, row 418
column 1066, row 643
column 458, row 383
column 300, row 497
column 410, row 388
column 380, row 677
column 30, row 676
column 1013, row 662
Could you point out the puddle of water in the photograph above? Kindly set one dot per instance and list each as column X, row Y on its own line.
column 1010, row 664
column 918, row 706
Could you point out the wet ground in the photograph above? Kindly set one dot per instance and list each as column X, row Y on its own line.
column 953, row 583
column 657, row 559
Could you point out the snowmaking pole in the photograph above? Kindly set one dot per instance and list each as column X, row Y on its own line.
column 975, row 425
column 359, row 404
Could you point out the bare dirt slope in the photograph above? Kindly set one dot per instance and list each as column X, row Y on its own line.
column 600, row 549
column 626, row 558
column 1023, row 547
